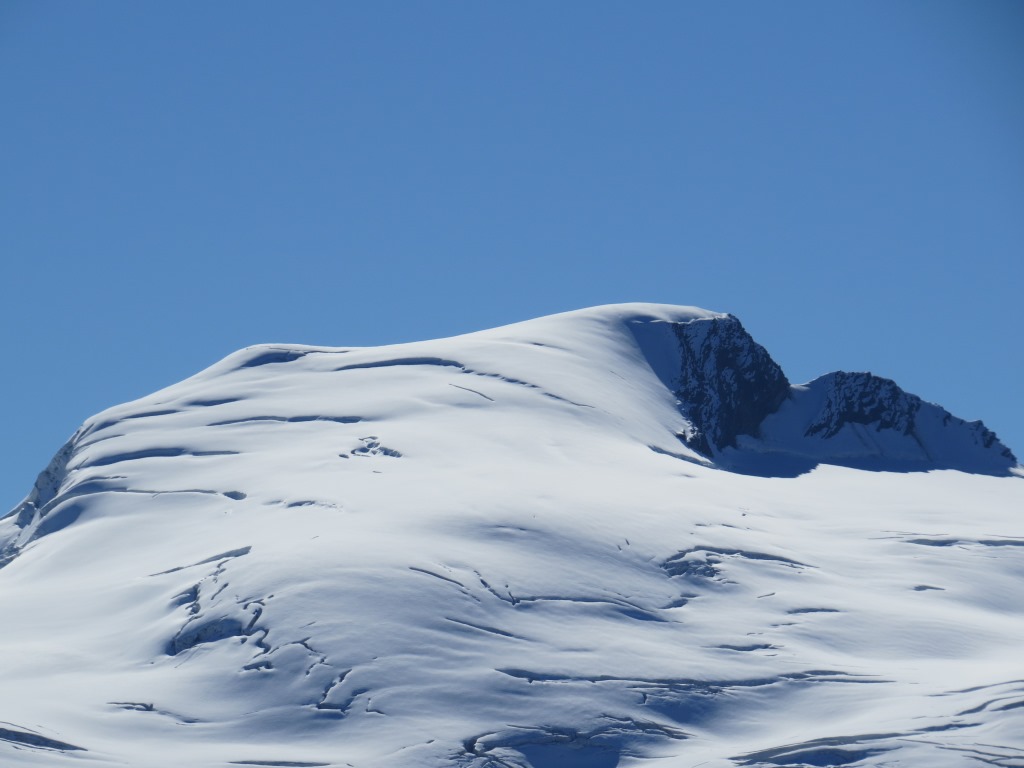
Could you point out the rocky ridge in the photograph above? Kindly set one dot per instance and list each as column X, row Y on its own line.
column 730, row 391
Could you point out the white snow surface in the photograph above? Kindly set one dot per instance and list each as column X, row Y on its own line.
column 493, row 550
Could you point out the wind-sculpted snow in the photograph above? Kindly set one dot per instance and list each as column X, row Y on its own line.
column 551, row 545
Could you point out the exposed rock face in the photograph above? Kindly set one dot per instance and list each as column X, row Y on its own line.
column 47, row 484
column 735, row 396
column 35, row 506
column 863, row 398
column 728, row 383
column 880, row 412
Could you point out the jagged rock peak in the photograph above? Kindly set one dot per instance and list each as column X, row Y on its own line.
column 872, row 406
column 863, row 398
column 733, row 395
column 728, row 383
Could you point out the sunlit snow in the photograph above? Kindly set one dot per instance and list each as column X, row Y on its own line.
column 509, row 549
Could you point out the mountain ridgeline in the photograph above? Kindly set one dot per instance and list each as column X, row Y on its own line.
column 743, row 412
column 588, row 540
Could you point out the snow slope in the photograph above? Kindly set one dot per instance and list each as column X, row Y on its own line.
column 612, row 537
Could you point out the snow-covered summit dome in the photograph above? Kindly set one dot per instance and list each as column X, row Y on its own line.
column 610, row 537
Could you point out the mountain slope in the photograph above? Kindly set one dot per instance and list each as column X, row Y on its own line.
column 606, row 538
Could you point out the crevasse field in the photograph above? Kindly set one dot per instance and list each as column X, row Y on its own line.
column 613, row 537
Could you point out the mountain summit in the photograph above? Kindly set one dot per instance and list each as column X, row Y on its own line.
column 733, row 395
column 612, row 537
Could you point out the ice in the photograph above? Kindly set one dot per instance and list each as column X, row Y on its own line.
column 510, row 549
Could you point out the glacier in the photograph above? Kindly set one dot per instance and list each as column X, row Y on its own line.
column 615, row 537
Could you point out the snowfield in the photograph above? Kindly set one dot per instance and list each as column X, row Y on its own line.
column 610, row 538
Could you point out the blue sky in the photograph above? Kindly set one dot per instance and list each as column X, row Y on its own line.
column 181, row 180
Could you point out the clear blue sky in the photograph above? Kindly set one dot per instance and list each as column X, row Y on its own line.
column 179, row 180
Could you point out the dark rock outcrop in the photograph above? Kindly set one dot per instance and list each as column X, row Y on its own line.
column 863, row 398
column 879, row 407
column 728, row 383
column 727, row 386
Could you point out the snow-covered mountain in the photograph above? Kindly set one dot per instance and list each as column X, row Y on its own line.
column 612, row 537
